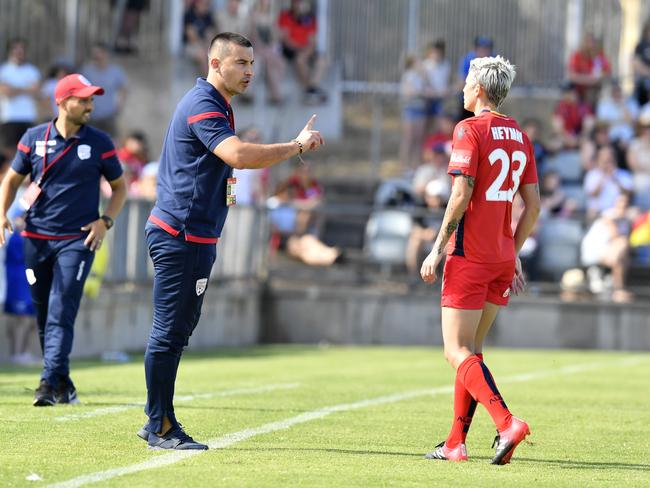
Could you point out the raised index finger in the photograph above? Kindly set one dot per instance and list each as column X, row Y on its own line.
column 310, row 122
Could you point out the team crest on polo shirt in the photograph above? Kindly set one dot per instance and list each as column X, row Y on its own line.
column 83, row 151
column 201, row 285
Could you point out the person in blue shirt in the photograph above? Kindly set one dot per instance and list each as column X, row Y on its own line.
column 194, row 191
column 483, row 46
column 65, row 159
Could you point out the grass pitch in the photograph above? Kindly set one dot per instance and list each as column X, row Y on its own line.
column 589, row 414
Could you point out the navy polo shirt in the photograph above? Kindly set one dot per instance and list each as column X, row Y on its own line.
column 69, row 196
column 191, row 189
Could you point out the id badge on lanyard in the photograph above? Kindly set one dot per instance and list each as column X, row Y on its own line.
column 29, row 197
column 231, row 198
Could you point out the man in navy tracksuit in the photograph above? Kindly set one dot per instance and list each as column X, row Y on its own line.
column 65, row 159
column 195, row 188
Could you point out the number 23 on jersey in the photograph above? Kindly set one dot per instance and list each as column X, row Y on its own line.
column 515, row 164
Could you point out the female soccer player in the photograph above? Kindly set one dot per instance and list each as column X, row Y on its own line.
column 491, row 160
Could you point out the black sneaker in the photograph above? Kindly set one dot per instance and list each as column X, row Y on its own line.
column 175, row 439
column 143, row 434
column 66, row 394
column 44, row 395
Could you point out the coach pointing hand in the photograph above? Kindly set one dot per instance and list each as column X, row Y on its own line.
column 310, row 138
column 195, row 189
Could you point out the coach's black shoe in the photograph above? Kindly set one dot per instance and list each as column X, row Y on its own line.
column 66, row 394
column 144, row 434
column 174, row 439
column 44, row 395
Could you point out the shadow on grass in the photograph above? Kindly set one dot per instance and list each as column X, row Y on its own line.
column 553, row 462
column 586, row 464
column 335, row 451
column 136, row 358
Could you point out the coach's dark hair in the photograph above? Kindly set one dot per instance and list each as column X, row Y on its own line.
column 230, row 37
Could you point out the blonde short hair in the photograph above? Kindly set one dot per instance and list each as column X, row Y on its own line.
column 495, row 75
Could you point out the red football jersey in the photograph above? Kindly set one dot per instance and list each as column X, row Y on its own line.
column 497, row 153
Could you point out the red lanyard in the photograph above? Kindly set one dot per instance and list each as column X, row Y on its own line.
column 63, row 153
column 231, row 116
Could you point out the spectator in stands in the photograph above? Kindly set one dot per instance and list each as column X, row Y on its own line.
column 442, row 134
column 588, row 69
column 57, row 71
column 292, row 218
column 304, row 194
column 251, row 183
column 427, row 224
column 606, row 244
column 605, row 183
column 19, row 86
column 146, row 187
column 102, row 72
column 533, row 129
column 133, row 155
column 298, row 28
column 589, row 146
column 18, row 303
column 129, row 25
column 4, row 167
column 642, row 67
column 433, row 168
column 638, row 158
column 571, row 118
column 619, row 112
column 265, row 38
column 437, row 72
column 414, row 113
column 199, row 28
column 555, row 203
column 233, row 18
column 483, row 46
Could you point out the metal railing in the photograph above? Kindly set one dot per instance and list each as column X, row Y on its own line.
column 242, row 251
column 370, row 39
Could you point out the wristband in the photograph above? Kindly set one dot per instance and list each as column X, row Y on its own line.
column 300, row 146
column 108, row 222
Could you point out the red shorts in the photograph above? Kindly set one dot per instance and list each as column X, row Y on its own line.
column 468, row 285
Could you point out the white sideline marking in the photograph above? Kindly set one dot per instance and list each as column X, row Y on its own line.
column 180, row 398
column 235, row 437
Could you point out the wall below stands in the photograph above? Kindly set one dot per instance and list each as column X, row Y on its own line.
column 120, row 321
column 244, row 314
column 360, row 316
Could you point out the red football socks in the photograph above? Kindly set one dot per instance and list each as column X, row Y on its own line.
column 464, row 408
column 477, row 379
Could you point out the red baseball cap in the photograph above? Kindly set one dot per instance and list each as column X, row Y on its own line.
column 75, row 85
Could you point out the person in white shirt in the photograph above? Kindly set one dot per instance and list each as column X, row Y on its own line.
column 437, row 72
column 19, row 87
column 619, row 112
column 605, row 183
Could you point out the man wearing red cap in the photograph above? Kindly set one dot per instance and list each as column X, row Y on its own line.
column 65, row 159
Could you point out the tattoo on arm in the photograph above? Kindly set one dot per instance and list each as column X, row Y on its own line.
column 451, row 227
column 470, row 180
column 537, row 188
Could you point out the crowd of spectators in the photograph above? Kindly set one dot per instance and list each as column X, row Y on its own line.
column 593, row 153
column 282, row 37
column 594, row 118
